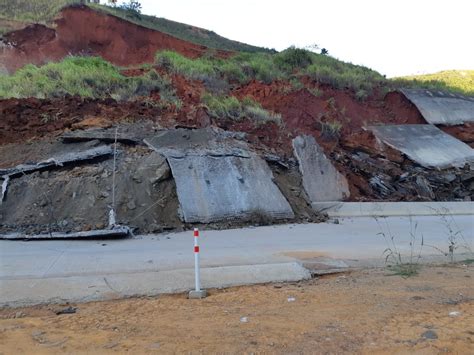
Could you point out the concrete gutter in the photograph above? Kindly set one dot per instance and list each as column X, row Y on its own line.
column 387, row 209
column 85, row 288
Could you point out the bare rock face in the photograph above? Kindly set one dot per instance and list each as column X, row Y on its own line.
column 321, row 181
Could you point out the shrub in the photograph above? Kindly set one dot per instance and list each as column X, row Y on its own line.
column 331, row 129
column 293, row 58
column 197, row 69
column 222, row 107
column 361, row 95
column 132, row 6
column 82, row 76
column 262, row 116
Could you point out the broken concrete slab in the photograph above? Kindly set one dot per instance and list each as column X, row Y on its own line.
column 217, row 178
column 103, row 135
column 425, row 144
column 118, row 232
column 217, row 188
column 321, row 180
column 206, row 141
column 60, row 160
column 438, row 107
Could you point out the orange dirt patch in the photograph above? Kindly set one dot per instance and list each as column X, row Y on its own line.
column 92, row 122
column 362, row 312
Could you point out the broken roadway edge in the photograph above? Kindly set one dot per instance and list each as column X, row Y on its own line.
column 80, row 271
column 390, row 209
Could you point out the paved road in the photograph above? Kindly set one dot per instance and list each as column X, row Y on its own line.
column 40, row 271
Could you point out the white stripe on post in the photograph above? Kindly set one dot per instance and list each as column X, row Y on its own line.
column 197, row 280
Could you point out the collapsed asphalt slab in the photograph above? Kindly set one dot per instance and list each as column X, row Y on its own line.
column 426, row 144
column 321, row 180
column 219, row 178
column 441, row 108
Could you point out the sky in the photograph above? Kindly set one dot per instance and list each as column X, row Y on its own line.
column 396, row 38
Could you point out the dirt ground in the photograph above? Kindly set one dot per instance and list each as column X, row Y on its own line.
column 361, row 312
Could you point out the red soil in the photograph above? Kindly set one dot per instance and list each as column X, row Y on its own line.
column 303, row 112
column 80, row 30
column 27, row 119
column 463, row 132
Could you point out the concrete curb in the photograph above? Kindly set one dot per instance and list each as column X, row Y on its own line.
column 33, row 291
column 379, row 209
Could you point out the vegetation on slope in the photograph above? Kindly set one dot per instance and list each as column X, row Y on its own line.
column 44, row 11
column 288, row 65
column 83, row 76
column 461, row 81
column 223, row 107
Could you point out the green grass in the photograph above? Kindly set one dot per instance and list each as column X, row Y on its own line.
column 289, row 65
column 83, row 76
column 460, row 81
column 229, row 107
column 180, row 30
column 405, row 270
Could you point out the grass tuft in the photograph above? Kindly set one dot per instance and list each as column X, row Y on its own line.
column 229, row 107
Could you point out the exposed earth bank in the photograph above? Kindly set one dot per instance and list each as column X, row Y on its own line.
column 79, row 30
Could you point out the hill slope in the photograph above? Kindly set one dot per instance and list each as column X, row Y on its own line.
column 461, row 81
column 183, row 31
column 44, row 11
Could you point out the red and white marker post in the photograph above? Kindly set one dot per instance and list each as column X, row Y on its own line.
column 197, row 292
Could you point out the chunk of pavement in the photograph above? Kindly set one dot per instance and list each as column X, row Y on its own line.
column 67, row 310
column 216, row 188
column 157, row 167
column 67, row 158
column 209, row 141
column 218, row 178
column 426, row 144
column 5, row 182
column 430, row 334
column 438, row 107
column 117, row 232
column 103, row 135
column 197, row 294
column 321, row 180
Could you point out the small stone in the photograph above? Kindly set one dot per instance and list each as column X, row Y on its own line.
column 430, row 334
column 37, row 333
column 19, row 314
column 244, row 320
column 291, row 299
column 137, row 179
column 454, row 314
column 155, row 346
column 131, row 205
column 104, row 194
